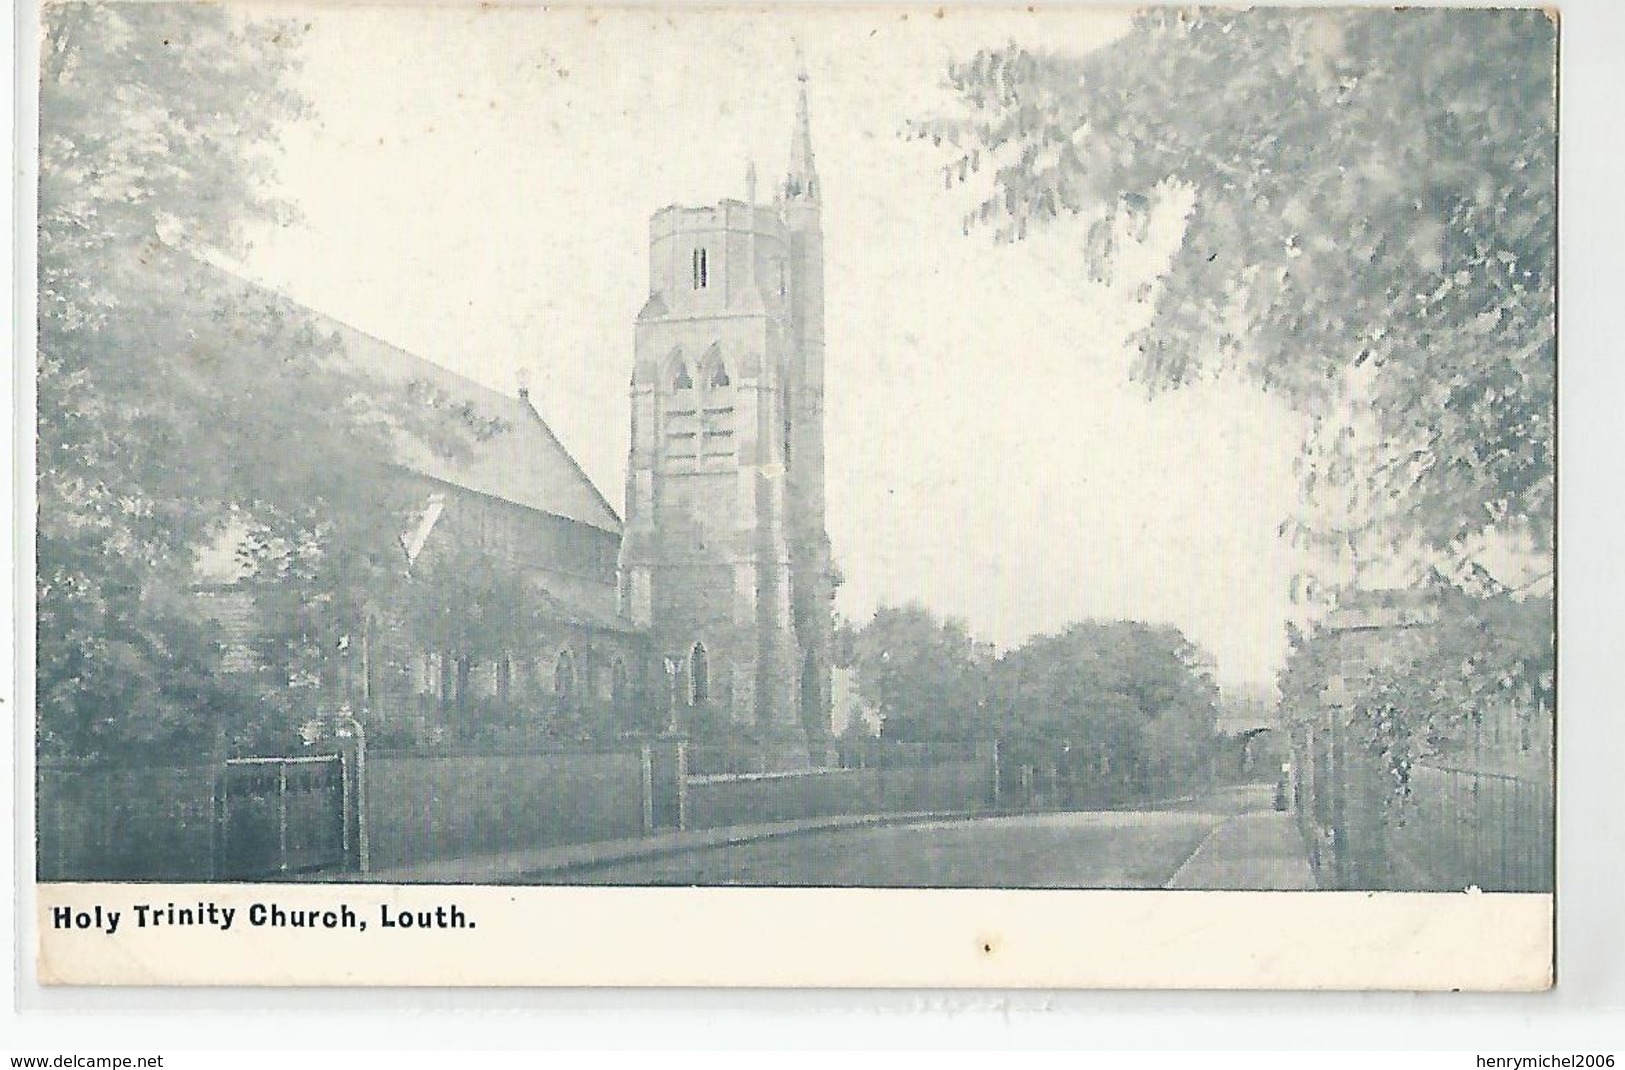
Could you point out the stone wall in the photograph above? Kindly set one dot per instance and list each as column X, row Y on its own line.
column 428, row 808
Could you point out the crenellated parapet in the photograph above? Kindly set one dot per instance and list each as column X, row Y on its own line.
column 725, row 560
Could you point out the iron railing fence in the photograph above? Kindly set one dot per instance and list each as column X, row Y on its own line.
column 1462, row 828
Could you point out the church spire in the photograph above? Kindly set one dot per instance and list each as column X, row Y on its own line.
column 802, row 181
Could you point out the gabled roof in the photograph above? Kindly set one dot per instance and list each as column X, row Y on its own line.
column 653, row 308
column 573, row 609
column 515, row 456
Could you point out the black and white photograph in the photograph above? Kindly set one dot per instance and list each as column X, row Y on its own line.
column 1068, row 450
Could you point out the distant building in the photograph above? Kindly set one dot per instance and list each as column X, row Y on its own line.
column 1251, row 746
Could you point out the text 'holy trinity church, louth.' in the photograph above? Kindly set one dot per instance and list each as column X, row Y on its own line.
column 707, row 611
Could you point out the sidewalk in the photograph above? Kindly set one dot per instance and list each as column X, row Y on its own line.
column 1259, row 851
column 533, row 865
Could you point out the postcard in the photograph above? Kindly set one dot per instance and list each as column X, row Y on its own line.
column 851, row 496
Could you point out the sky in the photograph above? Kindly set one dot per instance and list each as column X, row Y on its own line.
column 475, row 184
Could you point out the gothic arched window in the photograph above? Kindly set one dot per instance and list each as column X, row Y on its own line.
column 716, row 410
column 619, row 686
column 682, row 412
column 699, row 686
column 564, row 678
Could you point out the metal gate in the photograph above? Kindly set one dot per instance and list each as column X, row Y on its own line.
column 282, row 816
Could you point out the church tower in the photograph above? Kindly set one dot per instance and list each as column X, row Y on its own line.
column 725, row 559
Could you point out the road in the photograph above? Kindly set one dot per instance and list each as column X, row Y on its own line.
column 1139, row 849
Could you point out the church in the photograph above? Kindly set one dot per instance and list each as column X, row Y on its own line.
column 706, row 612
column 725, row 559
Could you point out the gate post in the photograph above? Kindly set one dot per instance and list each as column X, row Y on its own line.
column 996, row 772
column 352, row 739
column 682, row 785
column 646, row 784
column 215, row 784
column 222, row 822
column 282, row 816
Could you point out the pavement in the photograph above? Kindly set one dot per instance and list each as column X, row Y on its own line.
column 1052, row 849
column 535, row 864
column 1260, row 850
column 1248, row 848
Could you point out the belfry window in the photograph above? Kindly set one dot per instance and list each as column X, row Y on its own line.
column 716, row 410
column 700, row 269
column 681, row 425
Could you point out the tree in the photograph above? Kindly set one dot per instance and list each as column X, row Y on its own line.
column 176, row 406
column 1371, row 236
column 925, row 676
column 1477, row 654
column 477, row 610
column 1112, row 704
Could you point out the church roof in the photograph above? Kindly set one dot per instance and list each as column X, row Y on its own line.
column 573, row 609
column 513, row 455
column 653, row 308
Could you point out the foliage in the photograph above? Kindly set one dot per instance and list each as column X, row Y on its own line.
column 1115, row 705
column 1119, row 700
column 461, row 598
column 150, row 120
column 1425, row 695
column 120, row 669
column 1371, row 229
column 925, row 677
column 180, row 409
